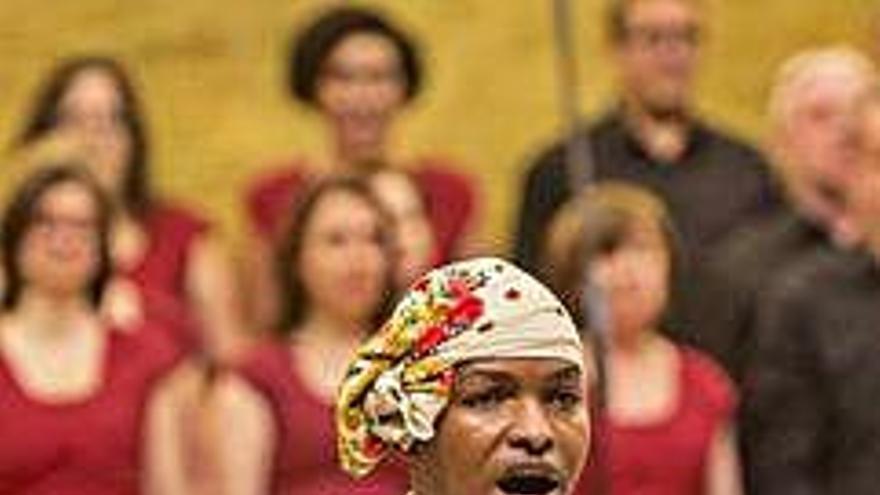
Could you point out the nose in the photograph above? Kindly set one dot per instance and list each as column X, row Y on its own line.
column 532, row 430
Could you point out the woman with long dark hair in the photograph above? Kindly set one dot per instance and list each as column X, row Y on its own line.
column 358, row 72
column 335, row 267
column 88, row 108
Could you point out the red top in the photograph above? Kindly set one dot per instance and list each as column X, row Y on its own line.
column 450, row 198
column 668, row 457
column 305, row 461
column 160, row 274
column 90, row 446
column 171, row 234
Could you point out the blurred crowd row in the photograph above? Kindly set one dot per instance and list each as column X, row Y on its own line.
column 728, row 295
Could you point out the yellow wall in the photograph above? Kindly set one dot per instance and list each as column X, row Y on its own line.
column 211, row 73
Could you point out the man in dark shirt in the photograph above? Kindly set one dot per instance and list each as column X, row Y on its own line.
column 813, row 384
column 809, row 109
column 710, row 181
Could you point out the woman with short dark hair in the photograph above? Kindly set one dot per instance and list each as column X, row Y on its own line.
column 357, row 71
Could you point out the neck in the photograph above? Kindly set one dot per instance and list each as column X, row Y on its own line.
column 633, row 343
column 662, row 135
column 49, row 315
column 321, row 326
column 826, row 212
column 356, row 158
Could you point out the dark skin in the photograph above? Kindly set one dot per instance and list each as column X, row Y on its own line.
column 512, row 426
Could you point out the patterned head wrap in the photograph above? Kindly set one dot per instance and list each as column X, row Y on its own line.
column 400, row 379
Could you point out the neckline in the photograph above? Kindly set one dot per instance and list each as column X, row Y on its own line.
column 291, row 352
column 668, row 415
column 8, row 374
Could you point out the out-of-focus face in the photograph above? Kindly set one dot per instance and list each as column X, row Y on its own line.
column 343, row 264
column 91, row 112
column 634, row 279
column 415, row 237
column 864, row 188
column 814, row 134
column 513, row 426
column 658, row 53
column 59, row 253
column 360, row 90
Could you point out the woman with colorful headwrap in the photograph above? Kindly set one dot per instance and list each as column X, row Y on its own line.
column 477, row 381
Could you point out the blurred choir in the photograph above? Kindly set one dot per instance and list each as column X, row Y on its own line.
column 728, row 297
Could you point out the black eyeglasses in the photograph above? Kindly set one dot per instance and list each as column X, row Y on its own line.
column 653, row 37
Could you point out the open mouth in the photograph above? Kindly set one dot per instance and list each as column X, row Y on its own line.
column 529, row 483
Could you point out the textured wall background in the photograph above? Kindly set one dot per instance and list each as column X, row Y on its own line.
column 211, row 72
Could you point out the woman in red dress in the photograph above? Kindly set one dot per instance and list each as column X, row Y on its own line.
column 84, row 408
column 358, row 72
column 667, row 427
column 336, row 270
column 88, row 109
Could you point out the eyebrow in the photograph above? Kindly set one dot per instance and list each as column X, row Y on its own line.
column 569, row 372
column 491, row 375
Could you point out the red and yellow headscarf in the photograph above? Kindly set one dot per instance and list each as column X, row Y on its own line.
column 400, row 380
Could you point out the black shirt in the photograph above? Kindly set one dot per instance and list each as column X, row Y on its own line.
column 718, row 183
column 812, row 397
column 735, row 275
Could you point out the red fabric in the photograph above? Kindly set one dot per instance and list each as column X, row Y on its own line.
column 668, row 457
column 160, row 274
column 88, row 447
column 170, row 315
column 450, row 196
column 171, row 233
column 305, row 461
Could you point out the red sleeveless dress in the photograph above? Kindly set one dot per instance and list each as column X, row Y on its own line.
column 305, row 461
column 667, row 457
column 91, row 446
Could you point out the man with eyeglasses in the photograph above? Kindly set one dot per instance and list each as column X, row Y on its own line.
column 711, row 182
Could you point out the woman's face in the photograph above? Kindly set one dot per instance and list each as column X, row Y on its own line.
column 634, row 278
column 360, row 89
column 343, row 264
column 513, row 426
column 59, row 253
column 91, row 113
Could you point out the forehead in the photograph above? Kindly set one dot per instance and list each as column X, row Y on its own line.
column 363, row 47
column 92, row 83
column 68, row 197
column 341, row 207
column 829, row 88
column 663, row 11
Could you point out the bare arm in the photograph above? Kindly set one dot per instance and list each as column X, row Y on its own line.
column 261, row 286
column 723, row 472
column 243, row 452
column 212, row 286
column 168, row 439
